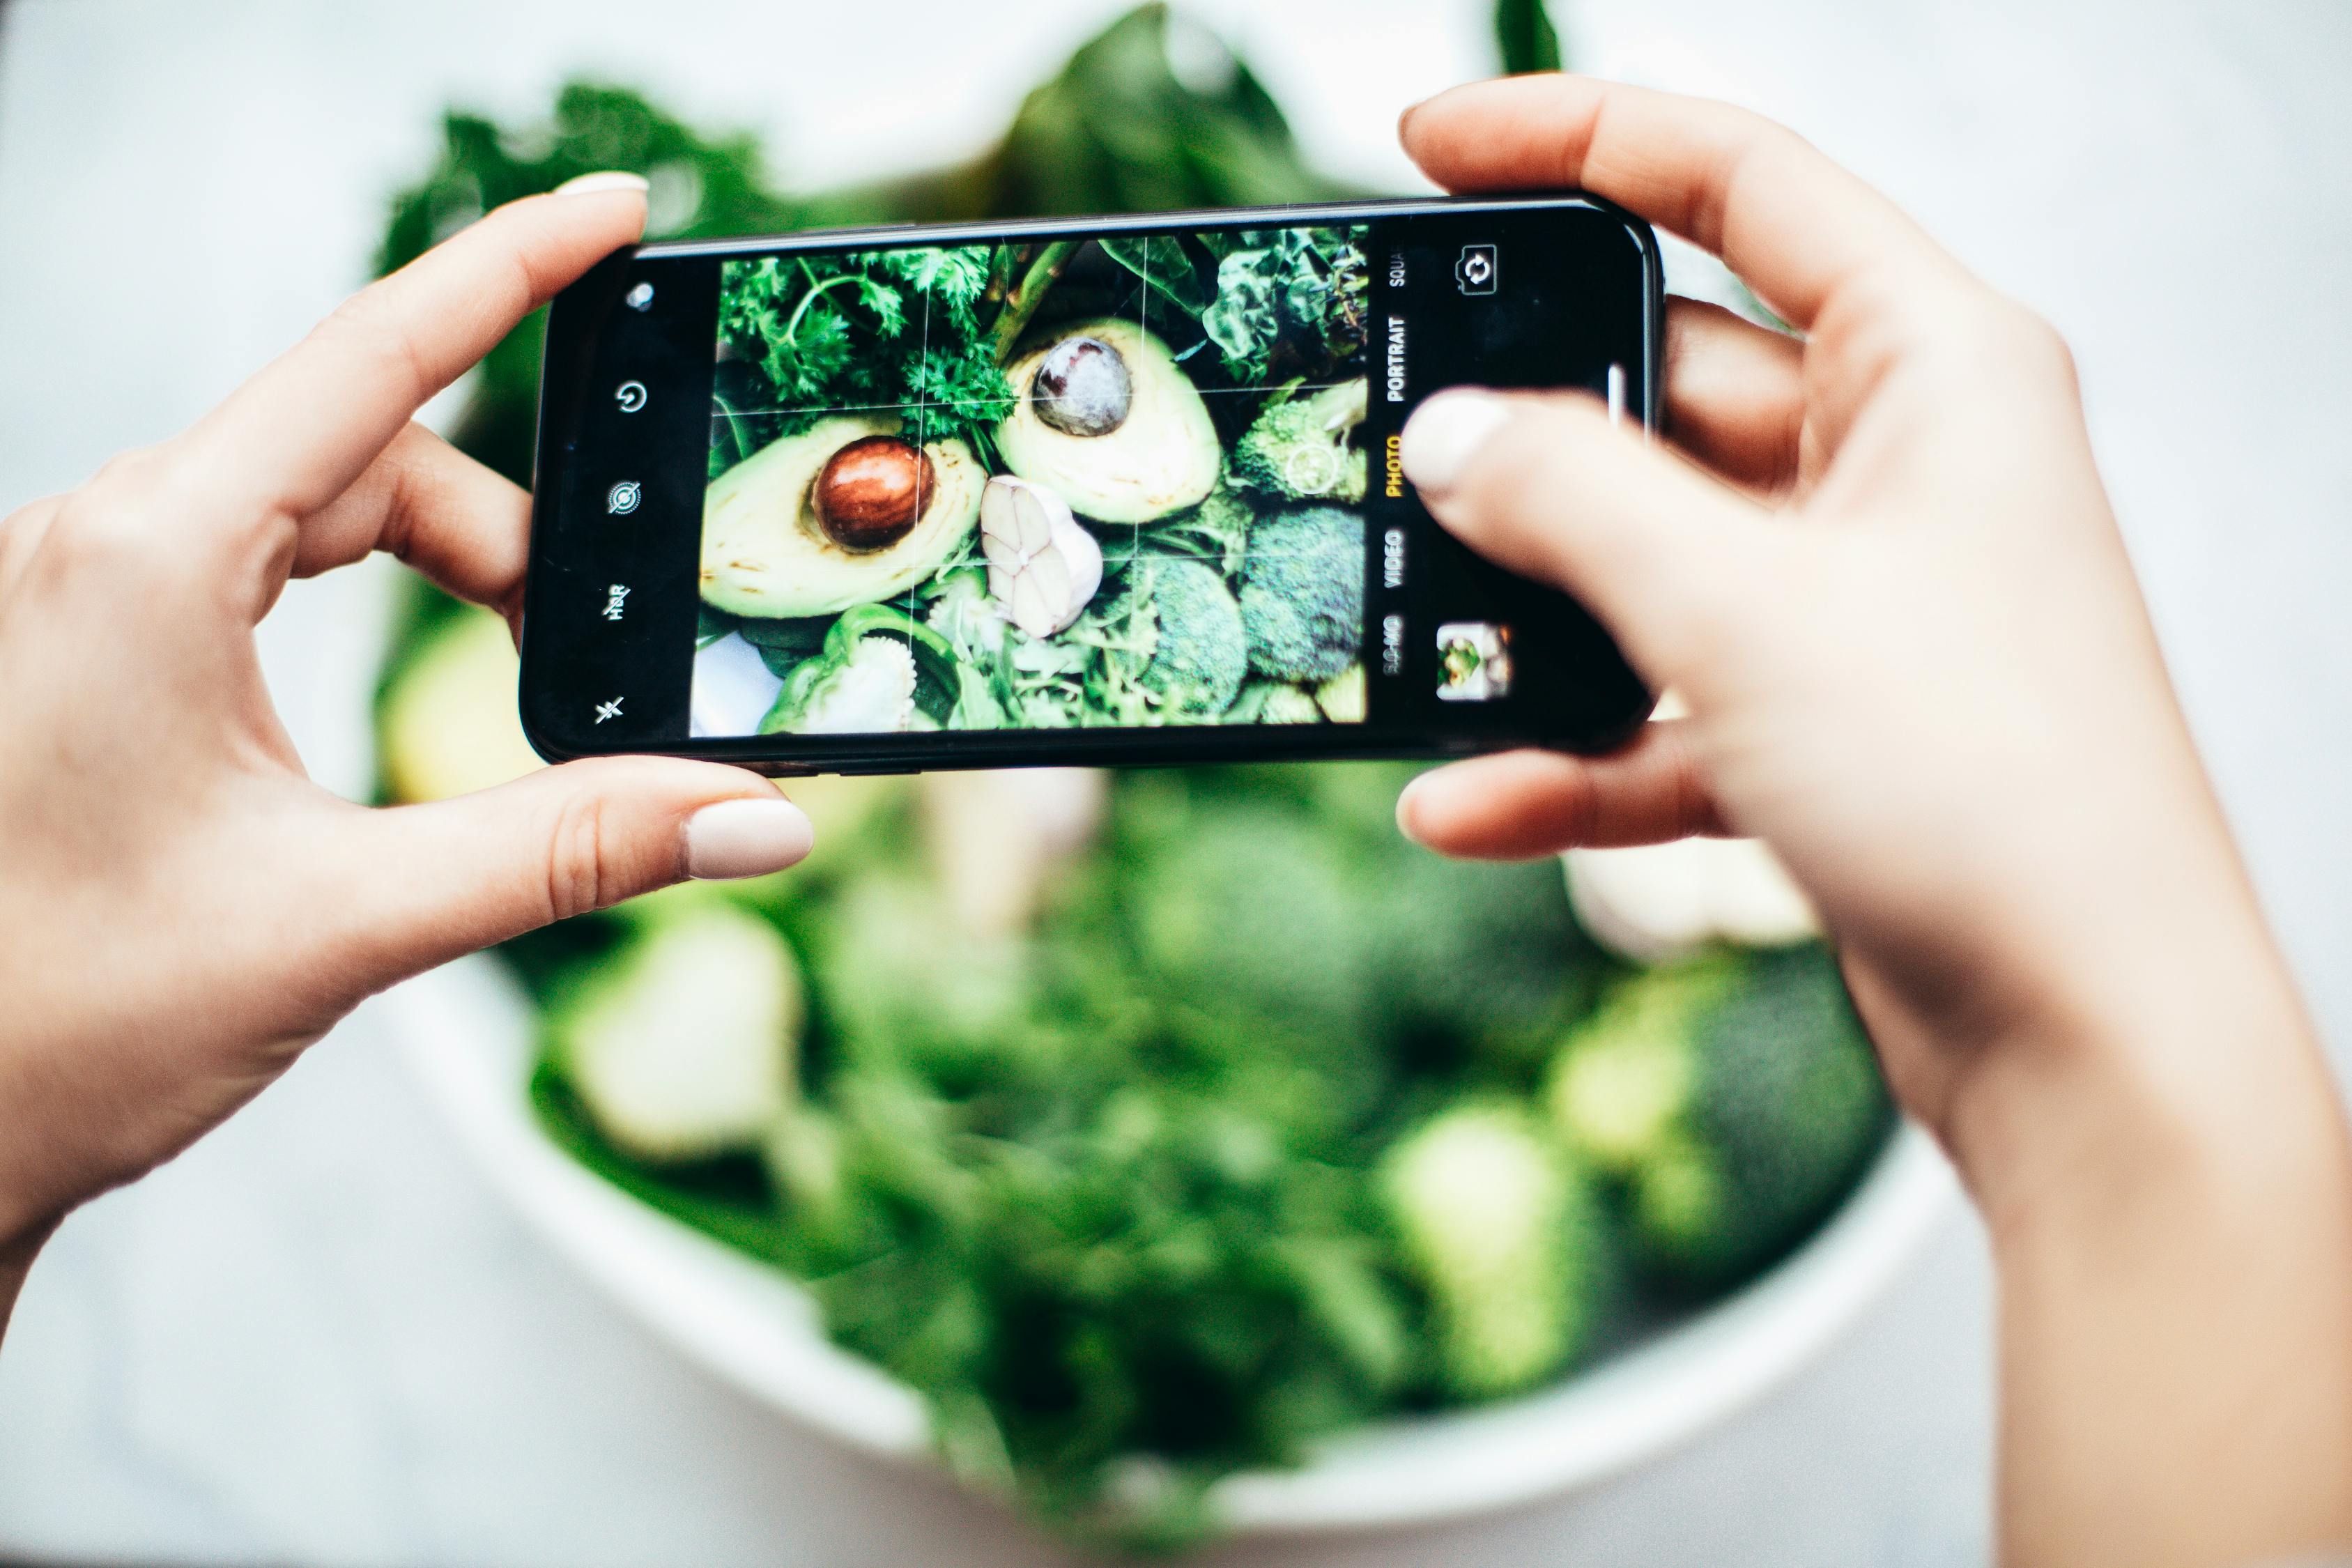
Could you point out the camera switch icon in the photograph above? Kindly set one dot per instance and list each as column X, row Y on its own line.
column 1480, row 267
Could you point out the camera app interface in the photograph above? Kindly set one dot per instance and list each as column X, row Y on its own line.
column 1043, row 484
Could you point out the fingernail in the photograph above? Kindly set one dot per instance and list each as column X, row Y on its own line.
column 1443, row 435
column 746, row 838
column 602, row 179
column 1405, row 808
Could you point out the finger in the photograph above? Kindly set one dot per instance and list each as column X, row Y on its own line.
column 1735, row 396
column 1543, row 485
column 1789, row 220
column 295, row 435
column 464, row 526
column 439, row 880
column 1517, row 805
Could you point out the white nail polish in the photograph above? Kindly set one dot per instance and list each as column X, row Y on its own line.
column 748, row 837
column 602, row 179
column 1445, row 433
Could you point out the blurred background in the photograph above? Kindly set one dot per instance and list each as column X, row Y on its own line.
column 321, row 1337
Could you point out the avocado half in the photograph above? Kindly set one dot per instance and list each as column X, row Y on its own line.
column 1161, row 458
column 763, row 553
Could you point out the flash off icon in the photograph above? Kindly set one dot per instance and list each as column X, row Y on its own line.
column 1476, row 272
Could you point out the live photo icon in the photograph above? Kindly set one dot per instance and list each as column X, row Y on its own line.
column 1476, row 272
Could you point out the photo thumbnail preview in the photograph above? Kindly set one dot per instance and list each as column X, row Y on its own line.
column 1048, row 484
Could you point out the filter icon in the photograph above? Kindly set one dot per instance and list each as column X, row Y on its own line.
column 621, row 498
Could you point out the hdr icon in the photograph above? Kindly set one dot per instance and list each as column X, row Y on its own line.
column 615, row 596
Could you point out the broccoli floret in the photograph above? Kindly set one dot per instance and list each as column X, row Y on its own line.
column 1486, row 953
column 1201, row 656
column 1302, row 595
column 868, row 690
column 1248, row 923
column 1299, row 449
column 1497, row 1226
column 1737, row 1098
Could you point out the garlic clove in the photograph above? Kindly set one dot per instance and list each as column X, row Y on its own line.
column 1041, row 565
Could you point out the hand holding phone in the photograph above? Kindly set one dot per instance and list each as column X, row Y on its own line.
column 1118, row 490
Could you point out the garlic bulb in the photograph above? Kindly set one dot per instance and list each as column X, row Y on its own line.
column 1660, row 901
column 1041, row 565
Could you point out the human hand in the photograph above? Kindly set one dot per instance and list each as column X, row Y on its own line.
column 183, row 910
column 1882, row 575
column 1879, row 568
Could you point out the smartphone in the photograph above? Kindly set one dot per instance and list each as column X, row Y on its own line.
column 1099, row 491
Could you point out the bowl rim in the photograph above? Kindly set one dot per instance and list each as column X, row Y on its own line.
column 466, row 1032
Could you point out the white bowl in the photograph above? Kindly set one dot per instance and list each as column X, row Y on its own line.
column 467, row 1030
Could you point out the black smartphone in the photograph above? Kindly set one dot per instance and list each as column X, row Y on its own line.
column 1105, row 491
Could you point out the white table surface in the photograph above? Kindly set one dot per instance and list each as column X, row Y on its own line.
column 318, row 1339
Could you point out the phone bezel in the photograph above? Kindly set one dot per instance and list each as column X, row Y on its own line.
column 563, row 367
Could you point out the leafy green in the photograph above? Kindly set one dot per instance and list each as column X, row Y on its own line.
column 704, row 184
column 1279, row 304
column 1525, row 36
column 868, row 329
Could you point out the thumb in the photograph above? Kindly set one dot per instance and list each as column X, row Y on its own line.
column 1546, row 486
column 445, row 878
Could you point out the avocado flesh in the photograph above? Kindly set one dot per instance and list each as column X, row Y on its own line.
column 447, row 725
column 1161, row 459
column 763, row 553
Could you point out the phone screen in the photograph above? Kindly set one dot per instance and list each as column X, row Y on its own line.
column 988, row 497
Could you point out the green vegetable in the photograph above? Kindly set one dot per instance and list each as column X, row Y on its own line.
column 1525, row 36
column 447, row 722
column 1736, row 1095
column 703, row 184
column 1302, row 595
column 1484, row 956
column 880, row 672
column 865, row 328
column 1199, row 661
column 1274, row 702
column 681, row 1045
column 1497, row 1226
column 1120, row 131
column 1290, row 302
column 1250, row 931
column 1299, row 450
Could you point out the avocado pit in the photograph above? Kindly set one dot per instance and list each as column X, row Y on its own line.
column 870, row 494
column 1083, row 387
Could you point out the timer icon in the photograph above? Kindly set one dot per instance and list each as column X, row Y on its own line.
column 621, row 498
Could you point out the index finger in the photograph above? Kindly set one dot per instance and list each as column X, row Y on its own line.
column 1792, row 223
column 295, row 435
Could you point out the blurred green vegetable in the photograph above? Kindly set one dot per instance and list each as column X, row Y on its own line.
column 1737, row 1096
column 1526, row 36
column 1497, row 1227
